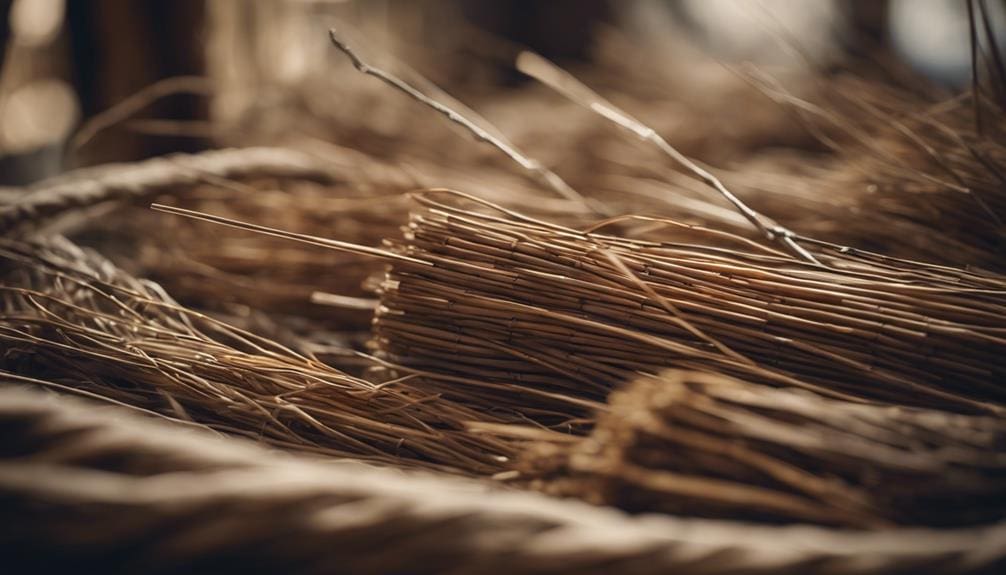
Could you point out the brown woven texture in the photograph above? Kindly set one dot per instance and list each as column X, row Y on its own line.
column 708, row 445
column 88, row 187
column 95, row 489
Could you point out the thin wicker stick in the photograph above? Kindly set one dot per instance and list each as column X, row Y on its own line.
column 564, row 83
column 546, row 176
column 302, row 238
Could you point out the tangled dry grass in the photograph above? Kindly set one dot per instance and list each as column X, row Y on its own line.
column 907, row 176
column 72, row 317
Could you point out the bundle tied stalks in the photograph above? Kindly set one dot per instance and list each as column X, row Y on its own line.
column 71, row 318
column 712, row 446
column 532, row 309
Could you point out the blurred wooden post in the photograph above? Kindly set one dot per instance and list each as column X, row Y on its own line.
column 4, row 27
column 122, row 46
column 560, row 30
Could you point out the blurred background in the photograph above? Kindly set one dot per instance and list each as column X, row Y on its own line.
column 190, row 74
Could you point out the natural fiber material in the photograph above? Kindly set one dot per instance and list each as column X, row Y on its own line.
column 321, row 189
column 174, row 501
column 92, row 186
column 71, row 316
column 490, row 320
column 104, row 208
column 908, row 176
column 707, row 445
column 515, row 308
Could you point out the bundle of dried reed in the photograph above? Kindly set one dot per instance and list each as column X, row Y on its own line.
column 529, row 307
column 71, row 316
column 361, row 201
column 707, row 445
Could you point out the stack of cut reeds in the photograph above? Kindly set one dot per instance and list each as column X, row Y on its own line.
column 524, row 311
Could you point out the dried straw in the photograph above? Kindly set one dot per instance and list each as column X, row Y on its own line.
column 531, row 308
column 711, row 446
column 174, row 501
column 513, row 308
column 489, row 317
column 907, row 176
column 71, row 317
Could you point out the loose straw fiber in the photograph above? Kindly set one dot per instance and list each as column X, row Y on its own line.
column 308, row 192
column 89, row 489
column 70, row 316
column 909, row 177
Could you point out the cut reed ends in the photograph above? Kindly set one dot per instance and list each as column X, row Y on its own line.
column 535, row 309
column 707, row 445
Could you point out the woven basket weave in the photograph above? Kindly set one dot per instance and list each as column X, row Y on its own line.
column 99, row 490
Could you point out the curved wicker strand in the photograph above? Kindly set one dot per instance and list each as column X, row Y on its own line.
column 101, row 489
